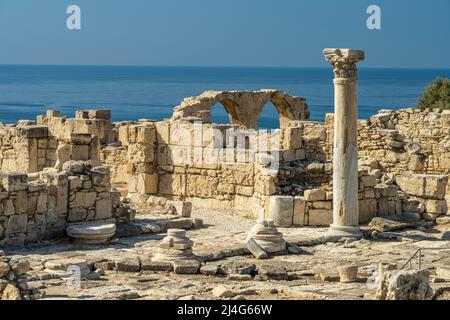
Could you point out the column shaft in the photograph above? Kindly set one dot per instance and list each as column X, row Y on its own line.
column 345, row 159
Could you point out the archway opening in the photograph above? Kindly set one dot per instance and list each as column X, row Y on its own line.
column 269, row 117
column 219, row 115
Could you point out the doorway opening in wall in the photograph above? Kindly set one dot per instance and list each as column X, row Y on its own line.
column 269, row 117
column 219, row 115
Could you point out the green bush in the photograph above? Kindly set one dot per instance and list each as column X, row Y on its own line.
column 436, row 95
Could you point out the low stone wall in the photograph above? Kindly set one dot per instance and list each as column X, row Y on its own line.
column 39, row 206
column 315, row 207
column 426, row 194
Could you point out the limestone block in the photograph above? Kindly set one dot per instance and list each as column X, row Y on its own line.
column 14, row 182
column 172, row 184
column 99, row 178
column 75, row 183
column 424, row 186
column 320, row 217
column 16, row 224
column 41, row 204
column 35, row 131
column 299, row 217
column 201, row 186
column 84, row 200
column 123, row 135
column 100, row 114
column 411, row 184
column 141, row 153
column 146, row 135
column 53, row 113
column 281, row 210
column 21, row 202
column 8, row 208
column 315, row 195
column 369, row 181
column 289, row 155
column 183, row 208
column 328, row 205
column 11, row 293
column 255, row 249
column 103, row 208
column 244, row 191
column 404, row 285
column 162, row 129
column 143, row 183
column 293, row 138
column 77, row 214
column 79, row 152
column 348, row 274
column 300, row 154
column 80, row 139
column 435, row 186
column 367, row 210
column 430, row 216
column 436, row 206
column 186, row 267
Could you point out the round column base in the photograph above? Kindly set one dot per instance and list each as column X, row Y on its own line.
column 343, row 232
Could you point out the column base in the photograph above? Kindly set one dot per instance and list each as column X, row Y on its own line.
column 343, row 232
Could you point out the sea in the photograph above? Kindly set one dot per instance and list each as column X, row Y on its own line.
column 143, row 92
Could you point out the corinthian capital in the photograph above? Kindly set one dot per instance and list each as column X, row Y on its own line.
column 344, row 61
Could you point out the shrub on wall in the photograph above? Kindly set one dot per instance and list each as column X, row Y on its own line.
column 436, row 95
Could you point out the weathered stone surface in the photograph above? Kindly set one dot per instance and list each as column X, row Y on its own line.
column 348, row 274
column 424, row 186
column 20, row 266
column 128, row 264
column 255, row 249
column 16, row 224
column 175, row 247
column 385, row 225
column 267, row 236
column 271, row 272
column 299, row 217
column 209, row 269
column 11, row 293
column 4, row 269
column 186, row 267
column 404, row 285
column 436, row 206
column 318, row 217
column 182, row 208
column 443, row 272
column 75, row 167
column 245, row 106
column 281, row 209
column 315, row 195
column 160, row 266
column 95, row 232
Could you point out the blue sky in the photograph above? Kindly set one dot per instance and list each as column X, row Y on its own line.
column 223, row 32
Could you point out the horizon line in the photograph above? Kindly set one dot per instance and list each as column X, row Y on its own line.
column 207, row 66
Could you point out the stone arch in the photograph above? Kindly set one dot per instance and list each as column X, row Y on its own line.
column 243, row 107
column 219, row 114
column 269, row 115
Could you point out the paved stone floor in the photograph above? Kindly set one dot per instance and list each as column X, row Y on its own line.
column 309, row 274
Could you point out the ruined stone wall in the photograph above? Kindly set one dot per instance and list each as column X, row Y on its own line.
column 40, row 205
column 212, row 165
column 26, row 148
column 406, row 140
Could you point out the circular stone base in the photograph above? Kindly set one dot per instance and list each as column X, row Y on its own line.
column 91, row 233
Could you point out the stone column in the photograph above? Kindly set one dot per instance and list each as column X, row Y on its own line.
column 345, row 157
